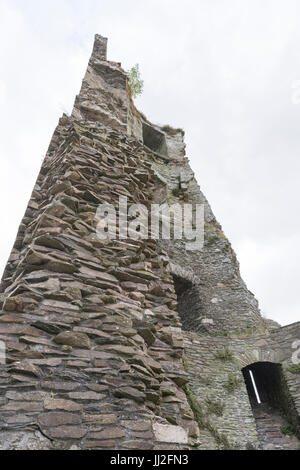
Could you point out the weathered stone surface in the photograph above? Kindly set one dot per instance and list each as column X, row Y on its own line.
column 135, row 444
column 67, row 432
column 7, row 328
column 168, row 433
column 60, row 404
column 109, row 433
column 141, row 426
column 99, row 444
column 24, row 440
column 130, row 392
column 88, row 396
column 61, row 267
column 13, row 304
column 147, row 334
column 100, row 419
column 74, row 339
column 60, row 386
column 25, row 396
column 54, row 418
column 22, row 406
column 26, row 367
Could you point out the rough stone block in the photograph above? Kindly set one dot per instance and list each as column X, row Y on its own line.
column 169, row 433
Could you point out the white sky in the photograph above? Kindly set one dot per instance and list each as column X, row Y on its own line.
column 221, row 69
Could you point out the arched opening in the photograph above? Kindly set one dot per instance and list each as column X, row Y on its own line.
column 263, row 382
column 272, row 405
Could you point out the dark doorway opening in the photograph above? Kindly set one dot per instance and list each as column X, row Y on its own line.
column 270, row 399
column 266, row 383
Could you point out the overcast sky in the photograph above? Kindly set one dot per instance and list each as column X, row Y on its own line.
column 224, row 70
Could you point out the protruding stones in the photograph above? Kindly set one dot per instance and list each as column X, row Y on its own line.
column 13, row 304
column 76, row 340
column 129, row 392
column 60, row 404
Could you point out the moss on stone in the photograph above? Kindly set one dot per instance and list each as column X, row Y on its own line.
column 287, row 430
column 234, row 382
column 210, row 240
column 170, row 130
column 294, row 369
column 185, row 362
column 194, row 404
column 224, row 355
column 108, row 299
column 203, row 422
column 215, row 407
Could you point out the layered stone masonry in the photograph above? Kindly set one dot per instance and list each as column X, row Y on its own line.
column 219, row 299
column 94, row 345
column 215, row 364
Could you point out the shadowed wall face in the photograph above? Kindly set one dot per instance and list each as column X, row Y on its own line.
column 155, row 140
column 189, row 304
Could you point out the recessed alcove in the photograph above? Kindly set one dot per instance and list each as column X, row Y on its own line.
column 188, row 303
column 155, row 140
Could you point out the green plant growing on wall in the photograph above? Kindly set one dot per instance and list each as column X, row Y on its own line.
column 185, row 362
column 287, row 430
column 194, row 405
column 108, row 299
column 294, row 369
column 250, row 446
column 136, row 84
column 211, row 239
column 232, row 383
column 171, row 130
column 224, row 355
column 214, row 407
column 203, row 422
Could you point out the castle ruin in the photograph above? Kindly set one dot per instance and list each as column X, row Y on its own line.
column 133, row 343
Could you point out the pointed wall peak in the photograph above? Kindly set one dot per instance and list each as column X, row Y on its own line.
column 100, row 48
column 105, row 97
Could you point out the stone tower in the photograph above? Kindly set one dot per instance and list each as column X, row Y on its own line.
column 129, row 343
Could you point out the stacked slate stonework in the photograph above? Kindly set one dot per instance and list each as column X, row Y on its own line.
column 95, row 330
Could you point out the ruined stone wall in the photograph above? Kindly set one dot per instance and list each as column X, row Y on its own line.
column 222, row 301
column 93, row 338
column 96, row 356
column 215, row 364
column 228, row 417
